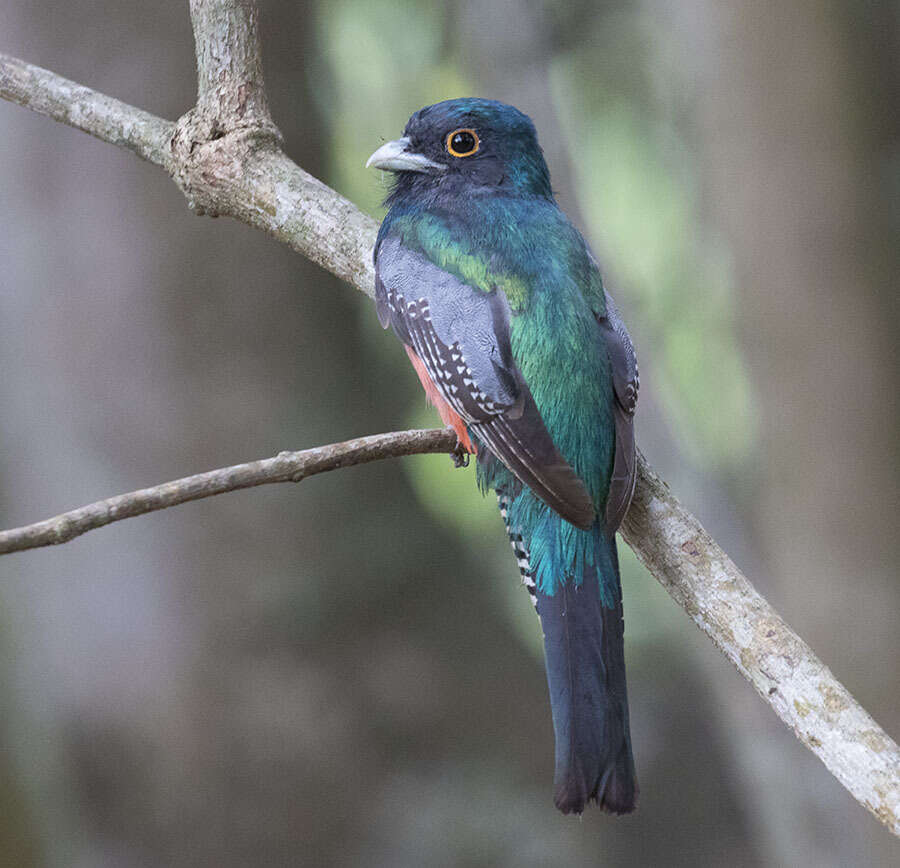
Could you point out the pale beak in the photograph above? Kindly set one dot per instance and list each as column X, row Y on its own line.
column 395, row 157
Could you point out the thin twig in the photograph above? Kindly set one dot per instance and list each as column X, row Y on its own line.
column 228, row 160
column 284, row 467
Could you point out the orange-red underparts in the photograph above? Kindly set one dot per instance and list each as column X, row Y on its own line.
column 447, row 413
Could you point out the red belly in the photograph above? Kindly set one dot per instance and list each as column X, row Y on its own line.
column 447, row 413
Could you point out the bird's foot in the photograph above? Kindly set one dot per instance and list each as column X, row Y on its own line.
column 460, row 455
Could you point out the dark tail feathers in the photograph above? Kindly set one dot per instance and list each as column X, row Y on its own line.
column 585, row 657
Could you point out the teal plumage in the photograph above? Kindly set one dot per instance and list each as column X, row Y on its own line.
column 502, row 310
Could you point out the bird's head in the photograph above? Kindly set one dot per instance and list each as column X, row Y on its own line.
column 465, row 146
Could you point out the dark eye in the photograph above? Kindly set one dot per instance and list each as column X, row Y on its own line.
column 462, row 143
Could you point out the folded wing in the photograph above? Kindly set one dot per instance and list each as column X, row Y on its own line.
column 625, row 387
column 461, row 335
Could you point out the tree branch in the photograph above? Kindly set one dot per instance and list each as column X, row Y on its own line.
column 222, row 165
column 783, row 669
column 102, row 116
column 229, row 61
column 284, row 467
column 225, row 155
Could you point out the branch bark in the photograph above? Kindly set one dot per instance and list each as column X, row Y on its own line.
column 225, row 155
column 95, row 113
column 782, row 668
column 229, row 61
column 284, row 467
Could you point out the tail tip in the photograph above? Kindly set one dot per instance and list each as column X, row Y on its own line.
column 616, row 793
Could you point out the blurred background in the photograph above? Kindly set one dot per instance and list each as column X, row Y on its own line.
column 348, row 672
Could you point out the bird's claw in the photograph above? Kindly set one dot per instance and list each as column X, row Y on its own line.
column 460, row 455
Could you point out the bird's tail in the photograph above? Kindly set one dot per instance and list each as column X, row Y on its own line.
column 585, row 657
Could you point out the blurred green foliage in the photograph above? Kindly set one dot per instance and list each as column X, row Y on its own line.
column 637, row 182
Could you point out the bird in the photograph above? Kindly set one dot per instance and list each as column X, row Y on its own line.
column 501, row 308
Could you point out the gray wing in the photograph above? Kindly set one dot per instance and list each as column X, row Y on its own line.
column 461, row 335
column 625, row 386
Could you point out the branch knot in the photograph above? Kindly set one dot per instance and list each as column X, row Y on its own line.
column 208, row 153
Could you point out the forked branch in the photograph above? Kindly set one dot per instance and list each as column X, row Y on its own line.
column 225, row 155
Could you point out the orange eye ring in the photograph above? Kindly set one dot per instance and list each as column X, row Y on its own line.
column 462, row 142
